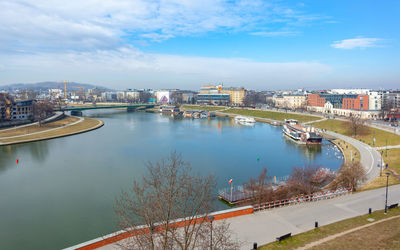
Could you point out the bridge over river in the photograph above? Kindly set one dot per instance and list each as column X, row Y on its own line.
column 129, row 107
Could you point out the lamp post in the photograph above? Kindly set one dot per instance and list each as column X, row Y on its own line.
column 381, row 162
column 211, row 218
column 387, row 187
column 152, row 228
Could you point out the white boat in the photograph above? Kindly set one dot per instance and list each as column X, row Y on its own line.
column 244, row 119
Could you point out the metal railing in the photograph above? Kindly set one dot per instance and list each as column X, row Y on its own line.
column 302, row 199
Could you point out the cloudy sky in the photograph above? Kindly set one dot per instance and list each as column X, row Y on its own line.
column 183, row 44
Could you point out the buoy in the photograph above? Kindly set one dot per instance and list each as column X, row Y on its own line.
column 17, row 160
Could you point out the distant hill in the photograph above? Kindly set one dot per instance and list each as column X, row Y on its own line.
column 44, row 86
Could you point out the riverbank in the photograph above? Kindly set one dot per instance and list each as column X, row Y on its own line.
column 70, row 125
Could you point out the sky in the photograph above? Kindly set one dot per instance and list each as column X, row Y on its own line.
column 262, row 45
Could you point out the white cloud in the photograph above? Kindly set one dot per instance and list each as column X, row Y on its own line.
column 354, row 43
column 97, row 24
column 92, row 41
column 127, row 67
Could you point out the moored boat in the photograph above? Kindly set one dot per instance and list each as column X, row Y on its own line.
column 244, row 119
column 301, row 134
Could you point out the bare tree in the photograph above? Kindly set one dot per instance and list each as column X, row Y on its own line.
column 260, row 190
column 144, row 97
column 41, row 110
column 357, row 124
column 169, row 192
column 350, row 175
column 302, row 181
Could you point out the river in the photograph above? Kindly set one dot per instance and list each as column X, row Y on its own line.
column 62, row 191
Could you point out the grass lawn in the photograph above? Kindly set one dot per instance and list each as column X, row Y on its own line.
column 364, row 239
column 37, row 128
column 393, row 160
column 198, row 107
column 86, row 124
column 386, row 235
column 366, row 135
column 272, row 115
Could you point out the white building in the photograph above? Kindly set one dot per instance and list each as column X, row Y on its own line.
column 163, row 96
column 350, row 91
column 375, row 100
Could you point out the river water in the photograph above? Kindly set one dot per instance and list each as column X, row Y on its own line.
column 63, row 191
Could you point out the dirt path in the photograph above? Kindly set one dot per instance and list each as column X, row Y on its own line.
column 329, row 238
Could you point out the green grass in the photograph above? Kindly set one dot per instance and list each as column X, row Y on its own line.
column 393, row 161
column 366, row 134
column 272, row 115
column 331, row 229
column 198, row 107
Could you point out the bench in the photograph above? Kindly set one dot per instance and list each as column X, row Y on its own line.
column 285, row 236
column 393, row 206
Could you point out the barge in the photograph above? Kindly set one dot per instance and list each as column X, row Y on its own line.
column 301, row 134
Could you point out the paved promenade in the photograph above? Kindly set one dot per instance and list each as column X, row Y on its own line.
column 263, row 227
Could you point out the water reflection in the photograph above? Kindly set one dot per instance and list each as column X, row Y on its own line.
column 26, row 152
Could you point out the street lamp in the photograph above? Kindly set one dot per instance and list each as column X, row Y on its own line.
column 211, row 218
column 381, row 162
column 387, row 186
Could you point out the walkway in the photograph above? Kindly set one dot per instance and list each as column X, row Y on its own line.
column 387, row 147
column 44, row 131
column 370, row 158
column 264, row 227
column 51, row 118
column 321, row 120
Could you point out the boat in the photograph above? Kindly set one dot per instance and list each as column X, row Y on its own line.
column 275, row 123
column 244, row 119
column 301, row 134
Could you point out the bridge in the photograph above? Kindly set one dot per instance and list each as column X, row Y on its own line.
column 129, row 107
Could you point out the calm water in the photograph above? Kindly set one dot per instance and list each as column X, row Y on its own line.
column 62, row 191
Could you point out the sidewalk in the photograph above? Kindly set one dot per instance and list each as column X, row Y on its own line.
column 264, row 227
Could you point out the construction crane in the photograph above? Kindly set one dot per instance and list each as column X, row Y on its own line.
column 65, row 89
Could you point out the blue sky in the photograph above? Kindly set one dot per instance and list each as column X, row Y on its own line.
column 184, row 44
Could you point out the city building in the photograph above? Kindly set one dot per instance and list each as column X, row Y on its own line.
column 391, row 99
column 236, row 95
column 132, row 95
column 22, row 110
column 6, row 104
column 218, row 94
column 188, row 97
column 212, row 94
column 345, row 104
column 339, row 101
column 375, row 100
column 163, row 96
column 291, row 101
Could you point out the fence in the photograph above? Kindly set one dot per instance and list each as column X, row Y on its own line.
column 303, row 198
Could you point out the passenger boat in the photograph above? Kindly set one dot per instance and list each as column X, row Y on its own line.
column 244, row 119
column 301, row 134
